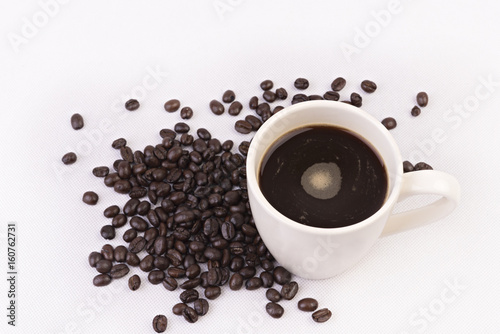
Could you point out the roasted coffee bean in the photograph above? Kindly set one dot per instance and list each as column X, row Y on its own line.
column 77, row 121
column 243, row 147
column 102, row 280
column 248, row 229
column 235, row 108
column 212, row 254
column 156, row 276
column 253, row 103
column 129, row 235
column 204, row 134
column 263, row 108
column 111, row 211
column 338, row 84
column 178, row 308
column 181, row 127
column 137, row 245
column 247, row 272
column 274, row 310
column 212, row 292
column 273, row 295
column 174, row 154
column 281, row 275
column 111, row 179
column 332, row 96
column 266, row 85
column 301, row 83
column 189, row 296
column 186, row 113
column 236, row 282
column 122, row 186
column 134, row 282
column 422, row 99
column 172, row 105
column 127, row 154
column 281, row 93
column 415, row 111
column 408, row 167
column 108, row 252
column 101, row 171
column 322, row 315
column 368, row 86
column 269, row 96
column 143, row 208
column 90, row 198
column 168, row 133
column 243, row 127
column 190, row 315
column 214, row 276
column 69, row 158
column 104, row 266
column 307, row 304
column 267, row 265
column 289, row 290
column 147, row 263
column 389, row 123
column 267, row 279
column 254, row 122
column 132, row 105
column 191, row 283
column 139, row 224
column 133, row 260
column 216, row 107
column 356, row 100
column 161, row 262
column 228, row 96
column 94, row 257
column 277, row 109
column 124, row 170
column 119, row 143
column 160, row 323
column 119, row 270
column 176, row 272
column 170, row 283
column 253, row 283
column 297, row 98
column 422, row 166
column 120, row 253
column 201, row 306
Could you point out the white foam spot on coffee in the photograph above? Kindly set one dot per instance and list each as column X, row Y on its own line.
column 322, row 180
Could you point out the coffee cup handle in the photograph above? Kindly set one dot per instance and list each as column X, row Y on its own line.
column 421, row 183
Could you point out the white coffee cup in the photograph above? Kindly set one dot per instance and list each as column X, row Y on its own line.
column 316, row 253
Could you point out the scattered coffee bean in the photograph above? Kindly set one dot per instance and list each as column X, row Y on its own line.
column 322, row 315
column 243, row 127
column 104, row 266
column 297, row 98
column 134, row 282
column 236, row 282
column 216, row 107
column 90, row 198
column 77, row 121
column 269, row 96
column 228, row 96
column 132, row 105
column 172, row 105
column 253, row 283
column 235, row 108
column 181, row 127
column 281, row 275
column 314, row 97
column 69, row 158
column 94, row 257
column 243, row 147
column 178, row 308
column 190, row 315
column 101, row 171
column 408, row 167
column 108, row 252
column 212, row 292
column 422, row 166
column 356, row 100
column 301, row 83
column 422, row 99
column 338, row 84
column 170, row 283
column 415, row 111
column 156, row 276
column 389, row 123
column 331, row 96
column 160, row 323
column 119, row 270
column 273, row 295
column 119, row 143
column 186, row 113
column 289, row 290
column 102, row 280
column 108, row 232
column 120, row 253
column 274, row 310
column 307, row 304
column 253, row 103
column 277, row 109
column 281, row 93
column 368, row 86
column 266, row 85
column 201, row 306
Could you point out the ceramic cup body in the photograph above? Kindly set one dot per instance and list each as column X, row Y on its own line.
column 317, row 253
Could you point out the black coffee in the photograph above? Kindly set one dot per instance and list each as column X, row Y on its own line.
column 323, row 176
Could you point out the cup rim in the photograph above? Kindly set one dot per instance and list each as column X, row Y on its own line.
column 254, row 187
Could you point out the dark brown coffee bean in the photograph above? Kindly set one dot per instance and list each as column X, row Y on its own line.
column 236, row 282
column 263, row 108
column 170, row 283
column 274, row 310
column 147, row 263
column 301, row 83
column 94, row 257
column 204, row 134
column 307, row 304
column 137, row 245
column 190, row 315
column 168, row 133
column 253, row 103
column 368, row 86
column 160, row 323
column 120, row 253
column 176, row 272
column 338, row 84
column 119, row 270
column 269, row 96
column 108, row 252
column 186, row 113
column 201, row 306
column 134, row 282
column 102, row 280
column 243, row 147
column 189, row 296
column 104, row 266
column 172, row 105
column 422, row 99
column 119, row 143
column 289, row 290
column 408, row 167
column 101, row 171
column 243, row 127
column 332, row 96
column 389, row 123
column 119, row 220
column 69, row 158
column 322, row 315
column 235, row 108
column 77, row 121
column 281, row 93
column 90, row 198
column 273, row 295
column 415, row 111
column 181, row 127
column 356, row 100
column 156, row 276
column 127, row 154
column 228, row 96
column 216, row 107
column 277, row 109
column 253, row 283
column 132, row 105
column 133, row 260
column 281, row 275
column 267, row 279
column 266, row 85
column 422, row 166
column 212, row 292
column 297, row 98
column 178, row 308
column 191, row 283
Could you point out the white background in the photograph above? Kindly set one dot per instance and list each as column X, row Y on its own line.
column 90, row 56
